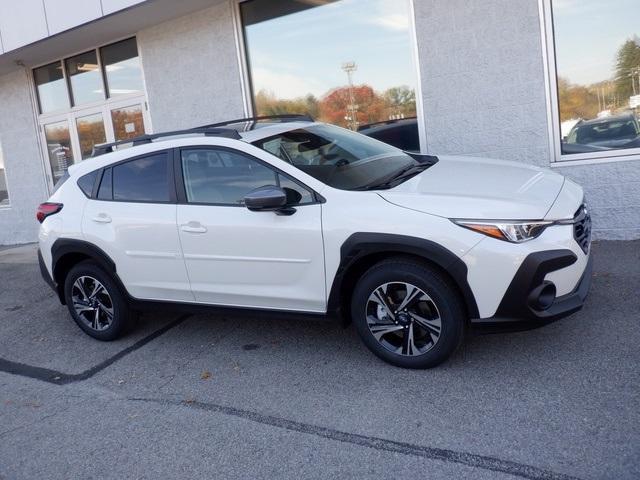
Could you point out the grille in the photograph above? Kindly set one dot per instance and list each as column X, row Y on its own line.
column 582, row 228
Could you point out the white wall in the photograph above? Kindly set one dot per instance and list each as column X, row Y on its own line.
column 191, row 69
column 26, row 21
column 22, row 160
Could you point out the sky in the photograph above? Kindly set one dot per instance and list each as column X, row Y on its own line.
column 588, row 34
column 303, row 52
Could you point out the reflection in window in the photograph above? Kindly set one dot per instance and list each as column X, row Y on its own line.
column 90, row 133
column 127, row 122
column 122, row 68
column 52, row 91
column 597, row 47
column 222, row 177
column 84, row 76
column 142, row 180
column 58, row 148
column 4, row 192
column 347, row 62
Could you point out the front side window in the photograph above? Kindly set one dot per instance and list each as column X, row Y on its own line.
column 222, row 177
column 336, row 156
column 597, row 50
column 144, row 179
column 346, row 62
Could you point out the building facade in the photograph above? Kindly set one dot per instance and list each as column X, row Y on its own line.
column 551, row 83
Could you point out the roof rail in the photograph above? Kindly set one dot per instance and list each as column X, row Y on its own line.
column 288, row 117
column 143, row 139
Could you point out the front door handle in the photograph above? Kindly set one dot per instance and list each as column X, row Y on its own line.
column 193, row 227
column 102, row 218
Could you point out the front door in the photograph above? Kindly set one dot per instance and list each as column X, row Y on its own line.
column 237, row 257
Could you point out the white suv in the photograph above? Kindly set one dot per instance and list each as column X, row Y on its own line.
column 295, row 216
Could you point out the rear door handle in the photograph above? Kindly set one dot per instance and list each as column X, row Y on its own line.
column 102, row 218
column 193, row 227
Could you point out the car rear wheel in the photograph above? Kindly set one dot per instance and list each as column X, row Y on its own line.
column 95, row 302
column 407, row 313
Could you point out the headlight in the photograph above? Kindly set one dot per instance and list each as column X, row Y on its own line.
column 516, row 232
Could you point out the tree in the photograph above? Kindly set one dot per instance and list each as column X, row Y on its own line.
column 370, row 107
column 268, row 104
column 628, row 64
column 576, row 101
column 400, row 101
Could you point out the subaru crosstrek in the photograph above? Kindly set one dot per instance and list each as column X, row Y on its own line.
column 295, row 216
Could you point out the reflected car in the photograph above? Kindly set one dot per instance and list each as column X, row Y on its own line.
column 618, row 131
column 401, row 133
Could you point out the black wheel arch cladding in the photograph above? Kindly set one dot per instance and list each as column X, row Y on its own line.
column 361, row 245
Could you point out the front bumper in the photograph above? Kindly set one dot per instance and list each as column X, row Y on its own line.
column 517, row 311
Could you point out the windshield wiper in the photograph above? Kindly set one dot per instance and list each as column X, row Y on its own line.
column 398, row 177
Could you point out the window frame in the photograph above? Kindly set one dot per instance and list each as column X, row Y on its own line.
column 181, row 188
column 558, row 159
column 72, row 113
column 246, row 85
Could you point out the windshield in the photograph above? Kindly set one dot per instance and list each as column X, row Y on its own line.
column 338, row 157
column 603, row 131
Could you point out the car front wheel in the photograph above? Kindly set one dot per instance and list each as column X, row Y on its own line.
column 407, row 313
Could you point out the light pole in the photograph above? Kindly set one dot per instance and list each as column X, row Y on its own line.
column 352, row 108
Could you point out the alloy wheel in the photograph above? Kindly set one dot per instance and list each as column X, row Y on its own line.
column 92, row 303
column 403, row 318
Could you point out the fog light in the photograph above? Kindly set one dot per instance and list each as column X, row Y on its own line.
column 543, row 296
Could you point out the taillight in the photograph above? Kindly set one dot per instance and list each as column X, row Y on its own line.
column 46, row 209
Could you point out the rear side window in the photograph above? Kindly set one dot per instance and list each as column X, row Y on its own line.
column 144, row 179
column 86, row 183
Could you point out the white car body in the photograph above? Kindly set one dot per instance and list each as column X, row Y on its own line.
column 231, row 256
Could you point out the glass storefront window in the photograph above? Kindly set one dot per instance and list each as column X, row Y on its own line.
column 90, row 132
column 122, row 68
column 128, row 122
column 58, row 148
column 597, row 50
column 347, row 62
column 4, row 192
column 52, row 91
column 85, row 78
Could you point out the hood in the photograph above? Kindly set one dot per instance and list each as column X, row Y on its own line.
column 477, row 188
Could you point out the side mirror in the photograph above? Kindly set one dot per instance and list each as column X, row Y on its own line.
column 265, row 199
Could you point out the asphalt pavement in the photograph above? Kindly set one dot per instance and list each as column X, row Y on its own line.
column 203, row 396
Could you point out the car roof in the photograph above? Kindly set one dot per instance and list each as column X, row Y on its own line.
column 613, row 118
column 266, row 130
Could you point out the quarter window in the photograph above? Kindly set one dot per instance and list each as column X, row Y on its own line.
column 144, row 179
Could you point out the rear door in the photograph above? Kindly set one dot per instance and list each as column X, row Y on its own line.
column 133, row 219
column 237, row 257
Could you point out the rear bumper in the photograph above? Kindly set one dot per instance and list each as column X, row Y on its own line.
column 45, row 273
column 518, row 312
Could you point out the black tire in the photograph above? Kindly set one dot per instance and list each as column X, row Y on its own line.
column 108, row 327
column 436, row 301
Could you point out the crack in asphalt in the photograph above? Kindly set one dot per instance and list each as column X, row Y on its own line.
column 451, row 456
column 61, row 378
